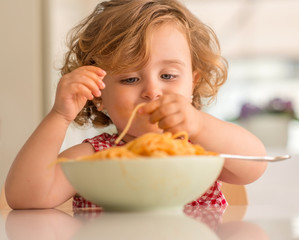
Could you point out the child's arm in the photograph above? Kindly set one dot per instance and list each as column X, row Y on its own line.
column 31, row 182
column 225, row 137
column 174, row 113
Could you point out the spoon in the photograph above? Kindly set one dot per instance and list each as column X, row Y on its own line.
column 256, row 158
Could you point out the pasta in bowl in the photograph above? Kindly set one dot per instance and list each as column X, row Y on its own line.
column 152, row 171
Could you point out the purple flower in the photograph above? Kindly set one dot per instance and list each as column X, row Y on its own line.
column 276, row 105
column 279, row 105
column 248, row 110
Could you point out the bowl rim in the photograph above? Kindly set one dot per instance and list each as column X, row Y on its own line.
column 141, row 158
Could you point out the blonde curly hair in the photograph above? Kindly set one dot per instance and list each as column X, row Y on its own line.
column 115, row 37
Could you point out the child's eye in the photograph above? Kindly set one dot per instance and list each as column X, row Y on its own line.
column 168, row 76
column 129, row 80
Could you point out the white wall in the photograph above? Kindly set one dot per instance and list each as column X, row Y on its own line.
column 252, row 28
column 20, row 76
column 62, row 16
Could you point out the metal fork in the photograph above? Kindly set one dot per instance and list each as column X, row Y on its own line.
column 256, row 158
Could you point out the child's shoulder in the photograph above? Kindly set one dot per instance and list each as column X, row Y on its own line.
column 102, row 141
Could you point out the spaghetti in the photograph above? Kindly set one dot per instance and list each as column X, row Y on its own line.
column 152, row 145
column 148, row 145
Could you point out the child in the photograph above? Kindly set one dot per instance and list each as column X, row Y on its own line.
column 125, row 53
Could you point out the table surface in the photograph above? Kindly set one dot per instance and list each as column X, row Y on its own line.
column 233, row 222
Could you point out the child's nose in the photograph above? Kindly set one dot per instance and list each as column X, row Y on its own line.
column 151, row 91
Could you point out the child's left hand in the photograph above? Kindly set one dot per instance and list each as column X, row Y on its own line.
column 174, row 113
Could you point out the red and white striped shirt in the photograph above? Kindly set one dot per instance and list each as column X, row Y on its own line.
column 213, row 197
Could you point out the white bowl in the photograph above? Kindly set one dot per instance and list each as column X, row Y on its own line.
column 143, row 183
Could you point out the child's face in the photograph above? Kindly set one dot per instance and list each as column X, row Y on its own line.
column 169, row 70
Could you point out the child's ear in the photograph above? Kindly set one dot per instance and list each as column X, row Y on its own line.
column 98, row 103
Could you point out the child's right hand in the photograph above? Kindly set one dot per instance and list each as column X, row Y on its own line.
column 75, row 88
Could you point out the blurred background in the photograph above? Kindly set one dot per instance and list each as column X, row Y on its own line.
column 259, row 38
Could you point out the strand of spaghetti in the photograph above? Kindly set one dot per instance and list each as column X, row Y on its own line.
column 148, row 145
column 120, row 137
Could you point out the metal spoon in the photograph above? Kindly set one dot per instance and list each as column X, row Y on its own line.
column 256, row 158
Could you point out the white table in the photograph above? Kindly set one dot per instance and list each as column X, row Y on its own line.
column 279, row 184
column 235, row 222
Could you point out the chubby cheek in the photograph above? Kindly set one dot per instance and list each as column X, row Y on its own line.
column 116, row 102
column 119, row 112
column 189, row 86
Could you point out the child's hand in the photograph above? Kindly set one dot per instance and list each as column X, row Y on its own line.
column 174, row 113
column 75, row 88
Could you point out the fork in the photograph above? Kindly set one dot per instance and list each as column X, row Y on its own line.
column 256, row 158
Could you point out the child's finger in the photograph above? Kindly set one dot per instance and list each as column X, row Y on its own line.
column 93, row 76
column 79, row 90
column 100, row 72
column 149, row 107
column 90, row 84
column 164, row 111
column 96, row 79
column 171, row 121
column 152, row 106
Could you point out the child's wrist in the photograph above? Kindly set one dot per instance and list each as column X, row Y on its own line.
column 55, row 114
column 195, row 136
